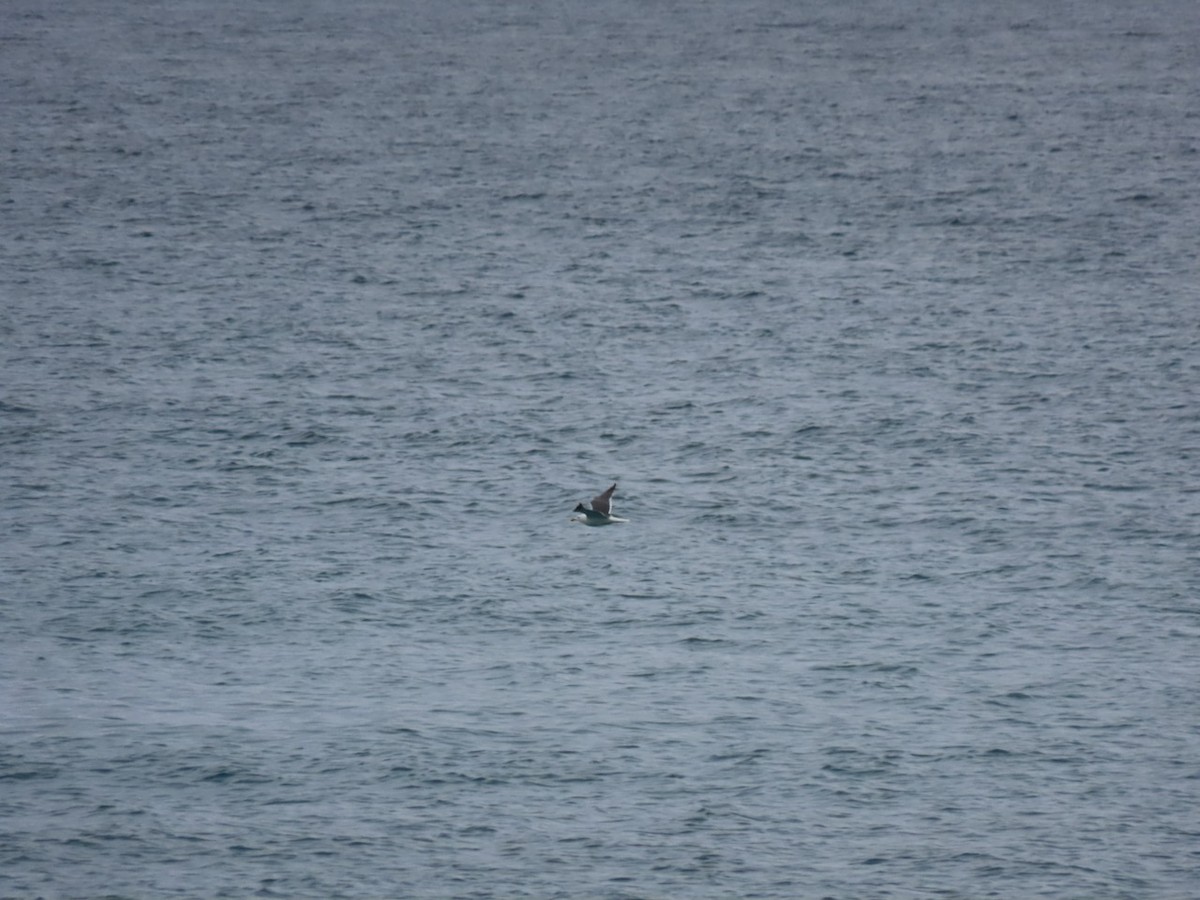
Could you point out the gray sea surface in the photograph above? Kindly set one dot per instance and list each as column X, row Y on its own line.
column 318, row 318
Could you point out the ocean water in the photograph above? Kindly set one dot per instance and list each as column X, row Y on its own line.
column 317, row 319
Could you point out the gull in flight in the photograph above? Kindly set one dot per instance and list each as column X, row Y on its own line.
column 601, row 511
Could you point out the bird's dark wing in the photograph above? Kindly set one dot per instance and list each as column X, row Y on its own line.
column 603, row 503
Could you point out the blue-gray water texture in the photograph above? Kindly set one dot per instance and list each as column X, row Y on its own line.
column 320, row 316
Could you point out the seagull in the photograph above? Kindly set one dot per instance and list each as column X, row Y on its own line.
column 601, row 511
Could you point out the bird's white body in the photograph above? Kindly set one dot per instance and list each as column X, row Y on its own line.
column 598, row 520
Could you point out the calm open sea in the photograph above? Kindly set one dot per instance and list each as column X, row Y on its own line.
column 318, row 317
